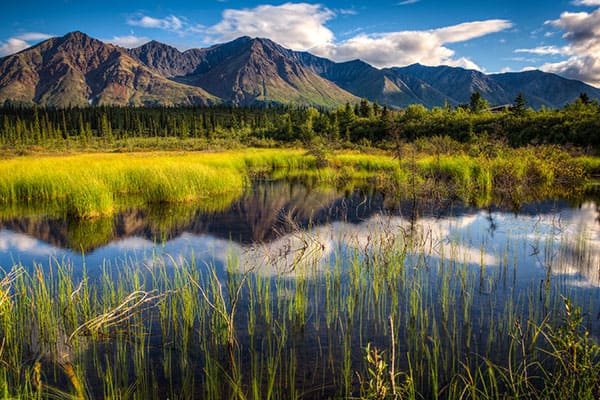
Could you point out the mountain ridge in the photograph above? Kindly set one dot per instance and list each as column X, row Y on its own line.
column 76, row 69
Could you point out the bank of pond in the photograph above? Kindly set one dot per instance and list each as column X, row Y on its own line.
column 300, row 274
column 100, row 184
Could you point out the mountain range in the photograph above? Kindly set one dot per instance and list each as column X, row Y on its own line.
column 77, row 70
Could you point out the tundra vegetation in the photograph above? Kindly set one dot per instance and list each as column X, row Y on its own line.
column 399, row 315
column 362, row 125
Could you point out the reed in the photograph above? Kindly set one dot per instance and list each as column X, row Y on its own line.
column 405, row 299
column 399, row 313
column 94, row 185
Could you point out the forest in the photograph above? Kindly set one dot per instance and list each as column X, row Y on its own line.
column 363, row 124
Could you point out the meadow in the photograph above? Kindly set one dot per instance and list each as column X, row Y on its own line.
column 92, row 185
column 398, row 313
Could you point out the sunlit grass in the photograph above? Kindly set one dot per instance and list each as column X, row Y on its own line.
column 94, row 185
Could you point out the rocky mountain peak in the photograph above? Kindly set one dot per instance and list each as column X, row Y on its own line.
column 76, row 69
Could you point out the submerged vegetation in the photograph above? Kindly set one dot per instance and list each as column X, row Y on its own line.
column 399, row 313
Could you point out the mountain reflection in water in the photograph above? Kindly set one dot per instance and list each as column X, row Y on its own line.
column 277, row 222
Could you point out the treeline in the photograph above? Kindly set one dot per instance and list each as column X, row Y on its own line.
column 369, row 124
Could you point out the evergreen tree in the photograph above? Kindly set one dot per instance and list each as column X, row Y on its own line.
column 106, row 128
column 519, row 105
column 184, row 132
column 477, row 103
column 364, row 110
column 585, row 99
column 35, row 127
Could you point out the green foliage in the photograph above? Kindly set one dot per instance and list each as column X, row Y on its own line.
column 574, row 366
column 519, row 105
column 27, row 128
column 380, row 383
column 477, row 103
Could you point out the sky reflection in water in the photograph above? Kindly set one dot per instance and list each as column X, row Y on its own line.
column 567, row 239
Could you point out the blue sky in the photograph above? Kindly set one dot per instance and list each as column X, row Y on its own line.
column 555, row 36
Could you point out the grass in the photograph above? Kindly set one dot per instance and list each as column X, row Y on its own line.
column 397, row 313
column 94, row 185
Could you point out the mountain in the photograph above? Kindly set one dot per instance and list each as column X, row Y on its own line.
column 166, row 60
column 541, row 88
column 248, row 71
column 361, row 79
column 78, row 70
column 457, row 84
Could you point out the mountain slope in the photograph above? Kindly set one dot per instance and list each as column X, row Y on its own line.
column 362, row 79
column 457, row 84
column 541, row 88
column 166, row 60
column 78, row 70
column 249, row 71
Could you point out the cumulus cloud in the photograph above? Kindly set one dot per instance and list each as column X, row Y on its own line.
column 589, row 3
column 408, row 47
column 170, row 23
column 302, row 26
column 21, row 42
column 582, row 33
column 299, row 26
column 583, row 68
column 129, row 41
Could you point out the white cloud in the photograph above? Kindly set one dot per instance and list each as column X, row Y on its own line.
column 170, row 23
column 11, row 46
column 129, row 41
column 589, row 3
column 347, row 11
column 545, row 50
column 471, row 30
column 302, row 26
column 21, row 42
column 408, row 47
column 407, row 2
column 299, row 26
column 583, row 68
column 34, row 36
column 582, row 32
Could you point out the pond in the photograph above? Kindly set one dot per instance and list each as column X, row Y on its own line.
column 280, row 294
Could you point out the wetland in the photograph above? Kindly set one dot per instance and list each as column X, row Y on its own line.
column 267, row 274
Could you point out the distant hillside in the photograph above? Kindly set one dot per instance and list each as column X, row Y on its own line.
column 248, row 71
column 539, row 88
column 78, row 70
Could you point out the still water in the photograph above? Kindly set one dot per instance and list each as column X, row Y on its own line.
column 543, row 251
column 276, row 215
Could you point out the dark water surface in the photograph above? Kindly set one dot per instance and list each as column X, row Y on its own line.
column 274, row 212
column 552, row 246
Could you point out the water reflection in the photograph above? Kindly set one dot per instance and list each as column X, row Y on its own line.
column 275, row 225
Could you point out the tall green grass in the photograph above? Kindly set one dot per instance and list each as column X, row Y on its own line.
column 399, row 315
column 93, row 185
